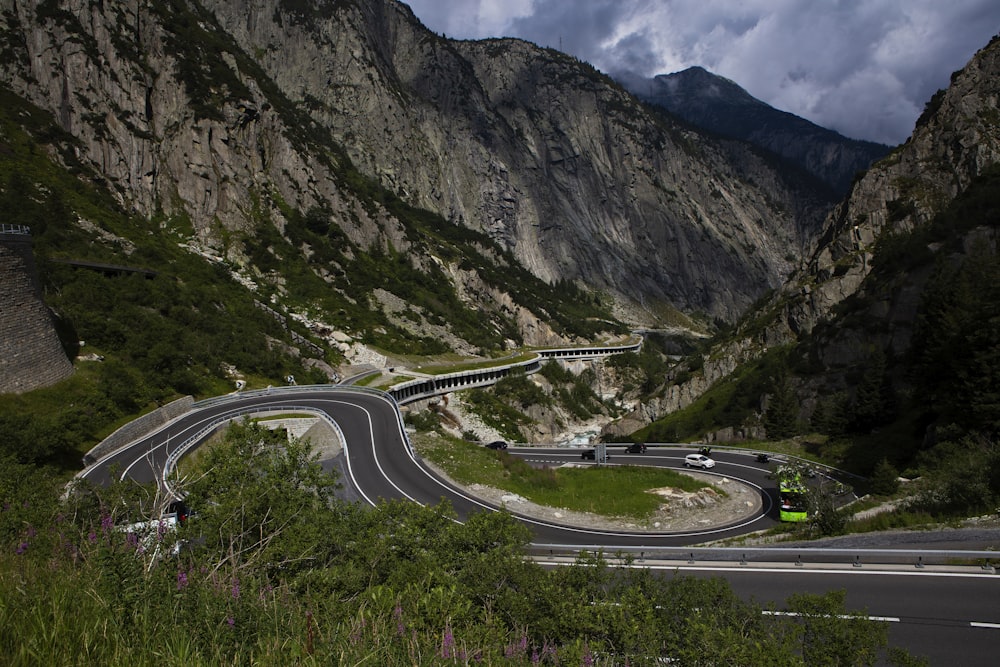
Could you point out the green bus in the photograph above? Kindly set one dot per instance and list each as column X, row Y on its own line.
column 793, row 497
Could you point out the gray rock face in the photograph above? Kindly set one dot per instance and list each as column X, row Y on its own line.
column 222, row 110
column 957, row 138
column 954, row 141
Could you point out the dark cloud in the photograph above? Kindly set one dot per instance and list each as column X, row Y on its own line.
column 862, row 67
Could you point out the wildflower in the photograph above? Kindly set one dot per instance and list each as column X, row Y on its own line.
column 588, row 657
column 231, row 621
column 397, row 613
column 235, row 590
column 91, row 537
column 182, row 580
column 132, row 540
column 107, row 523
column 448, row 642
column 21, row 548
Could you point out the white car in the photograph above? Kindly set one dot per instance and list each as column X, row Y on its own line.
column 698, row 461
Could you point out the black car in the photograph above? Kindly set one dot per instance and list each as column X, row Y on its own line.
column 636, row 448
column 591, row 455
column 497, row 444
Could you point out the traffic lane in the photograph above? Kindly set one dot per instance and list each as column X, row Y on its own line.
column 381, row 462
column 673, row 458
column 933, row 615
column 143, row 459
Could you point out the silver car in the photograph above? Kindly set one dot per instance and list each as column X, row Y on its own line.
column 698, row 461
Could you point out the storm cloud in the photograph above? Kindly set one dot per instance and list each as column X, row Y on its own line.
column 864, row 68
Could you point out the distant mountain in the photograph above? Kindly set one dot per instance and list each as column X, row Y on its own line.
column 721, row 106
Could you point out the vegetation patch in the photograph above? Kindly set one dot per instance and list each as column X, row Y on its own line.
column 616, row 491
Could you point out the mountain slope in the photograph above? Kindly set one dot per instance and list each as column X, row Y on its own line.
column 189, row 132
column 723, row 107
column 226, row 112
column 891, row 325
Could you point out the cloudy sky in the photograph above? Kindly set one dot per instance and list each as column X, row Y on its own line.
column 862, row 67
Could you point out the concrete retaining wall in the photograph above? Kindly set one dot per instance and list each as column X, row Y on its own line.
column 137, row 428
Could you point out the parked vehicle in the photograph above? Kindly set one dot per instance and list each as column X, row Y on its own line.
column 497, row 444
column 636, row 448
column 698, row 461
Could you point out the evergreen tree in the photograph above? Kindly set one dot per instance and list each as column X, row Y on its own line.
column 873, row 401
column 782, row 409
column 885, row 479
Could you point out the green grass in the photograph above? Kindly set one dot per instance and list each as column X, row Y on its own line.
column 618, row 491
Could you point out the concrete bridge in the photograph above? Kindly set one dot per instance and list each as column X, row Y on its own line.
column 435, row 385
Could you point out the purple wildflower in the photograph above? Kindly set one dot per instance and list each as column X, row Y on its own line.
column 132, row 540
column 231, row 621
column 182, row 580
column 21, row 548
column 397, row 613
column 107, row 523
column 588, row 657
column 235, row 590
column 91, row 537
column 448, row 642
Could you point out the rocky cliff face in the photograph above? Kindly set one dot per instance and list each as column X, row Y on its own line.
column 830, row 302
column 225, row 112
column 721, row 106
column 955, row 140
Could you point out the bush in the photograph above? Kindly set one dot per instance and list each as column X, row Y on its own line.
column 885, row 479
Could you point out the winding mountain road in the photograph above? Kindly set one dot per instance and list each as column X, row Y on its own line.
column 382, row 465
column 951, row 616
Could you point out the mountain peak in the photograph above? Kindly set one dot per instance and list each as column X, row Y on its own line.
column 697, row 83
column 721, row 106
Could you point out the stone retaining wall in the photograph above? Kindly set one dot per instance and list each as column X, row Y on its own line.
column 31, row 355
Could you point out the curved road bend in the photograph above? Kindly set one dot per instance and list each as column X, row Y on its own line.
column 381, row 464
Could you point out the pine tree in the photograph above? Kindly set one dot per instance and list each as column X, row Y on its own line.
column 782, row 409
